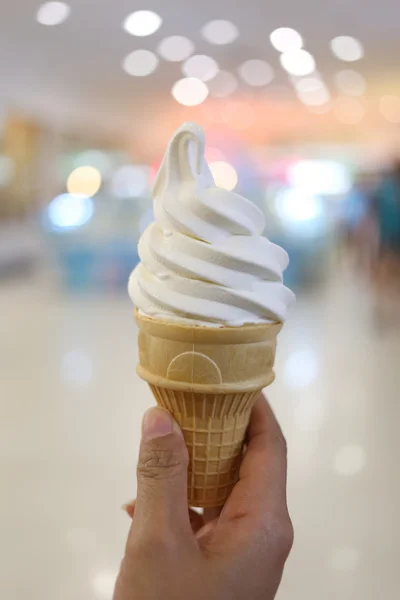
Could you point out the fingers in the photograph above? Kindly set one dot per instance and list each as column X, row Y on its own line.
column 162, row 475
column 195, row 518
column 262, row 481
column 129, row 508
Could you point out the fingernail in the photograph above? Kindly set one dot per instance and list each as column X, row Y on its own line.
column 157, row 422
column 128, row 508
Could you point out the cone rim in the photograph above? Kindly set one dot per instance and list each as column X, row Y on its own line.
column 247, row 333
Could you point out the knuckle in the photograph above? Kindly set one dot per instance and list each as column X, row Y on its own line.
column 283, row 536
column 160, row 463
column 280, row 535
column 149, row 545
column 154, row 544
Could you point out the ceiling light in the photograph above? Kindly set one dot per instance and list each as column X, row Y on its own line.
column 256, row 72
column 347, row 48
column 319, row 177
column 301, row 368
column 224, row 175
column 298, row 62
column 220, row 32
column 84, row 181
column 190, row 91
column 389, row 107
column 349, row 110
column 297, row 206
column 350, row 82
column 69, row 211
column 286, row 39
column 223, row 84
column 53, row 13
column 200, row 66
column 312, row 91
column 175, row 48
column 140, row 63
column 142, row 23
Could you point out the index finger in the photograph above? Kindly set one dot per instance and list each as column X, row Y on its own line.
column 262, row 479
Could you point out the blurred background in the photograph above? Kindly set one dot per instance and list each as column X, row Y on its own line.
column 300, row 102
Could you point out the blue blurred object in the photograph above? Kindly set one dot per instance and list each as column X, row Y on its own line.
column 94, row 266
column 97, row 252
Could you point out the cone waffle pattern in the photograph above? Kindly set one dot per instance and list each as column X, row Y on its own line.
column 214, row 427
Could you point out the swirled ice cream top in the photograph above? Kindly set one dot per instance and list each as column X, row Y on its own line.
column 204, row 260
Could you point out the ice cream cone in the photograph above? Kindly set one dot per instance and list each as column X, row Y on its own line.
column 208, row 378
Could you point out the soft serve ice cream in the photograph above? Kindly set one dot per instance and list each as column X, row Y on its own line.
column 204, row 260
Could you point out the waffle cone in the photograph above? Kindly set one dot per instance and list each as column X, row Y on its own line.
column 208, row 378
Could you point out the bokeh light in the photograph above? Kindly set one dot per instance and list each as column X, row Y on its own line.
column 84, row 180
column 347, row 48
column 175, row 48
column 142, row 23
column 201, row 67
column 190, row 91
column 69, row 211
column 224, row 174
column 220, row 32
column 350, row 82
column 140, row 63
column 286, row 39
column 349, row 460
column 223, row 84
column 53, row 13
column 294, row 205
column 297, row 62
column 312, row 91
column 389, row 107
column 316, row 176
column 256, row 72
column 301, row 367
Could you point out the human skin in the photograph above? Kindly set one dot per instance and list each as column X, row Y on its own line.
column 237, row 553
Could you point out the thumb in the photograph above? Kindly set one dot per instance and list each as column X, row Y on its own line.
column 162, row 474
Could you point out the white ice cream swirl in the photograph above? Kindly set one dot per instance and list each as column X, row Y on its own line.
column 204, row 260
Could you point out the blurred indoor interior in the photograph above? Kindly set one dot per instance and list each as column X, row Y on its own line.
column 300, row 102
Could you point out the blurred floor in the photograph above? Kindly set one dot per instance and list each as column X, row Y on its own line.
column 71, row 406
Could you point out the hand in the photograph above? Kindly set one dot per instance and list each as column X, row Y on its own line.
column 174, row 554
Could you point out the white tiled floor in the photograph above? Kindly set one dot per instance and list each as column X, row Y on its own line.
column 71, row 405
